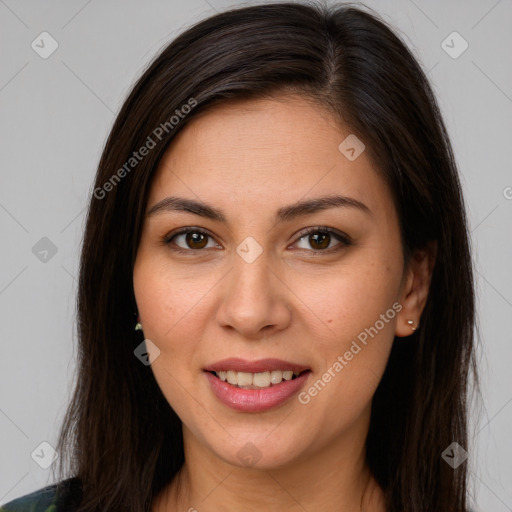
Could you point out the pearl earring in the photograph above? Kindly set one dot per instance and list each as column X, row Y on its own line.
column 411, row 323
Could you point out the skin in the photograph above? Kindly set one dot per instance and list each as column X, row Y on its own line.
column 293, row 302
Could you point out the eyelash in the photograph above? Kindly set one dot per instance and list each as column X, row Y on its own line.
column 341, row 237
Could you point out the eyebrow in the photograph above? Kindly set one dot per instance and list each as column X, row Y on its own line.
column 285, row 213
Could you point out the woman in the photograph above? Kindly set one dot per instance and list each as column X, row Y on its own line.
column 275, row 302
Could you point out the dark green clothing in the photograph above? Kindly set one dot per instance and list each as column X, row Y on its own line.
column 62, row 497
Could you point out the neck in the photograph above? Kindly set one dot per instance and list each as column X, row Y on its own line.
column 334, row 479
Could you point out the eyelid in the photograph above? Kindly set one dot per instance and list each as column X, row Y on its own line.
column 342, row 237
column 188, row 229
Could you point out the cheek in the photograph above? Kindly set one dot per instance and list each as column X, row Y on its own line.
column 173, row 308
column 358, row 312
column 170, row 311
column 168, row 301
column 353, row 298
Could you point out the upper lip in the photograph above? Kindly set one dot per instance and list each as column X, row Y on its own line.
column 258, row 366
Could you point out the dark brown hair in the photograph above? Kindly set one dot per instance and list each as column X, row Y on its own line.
column 122, row 439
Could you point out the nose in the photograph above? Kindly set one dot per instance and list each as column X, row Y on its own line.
column 254, row 299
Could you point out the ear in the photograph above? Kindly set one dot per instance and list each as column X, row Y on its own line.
column 415, row 289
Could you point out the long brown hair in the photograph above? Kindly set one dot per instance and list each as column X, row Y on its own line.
column 120, row 437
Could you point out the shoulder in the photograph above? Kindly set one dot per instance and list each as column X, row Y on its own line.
column 60, row 497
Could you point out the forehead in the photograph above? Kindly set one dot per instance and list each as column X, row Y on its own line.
column 266, row 152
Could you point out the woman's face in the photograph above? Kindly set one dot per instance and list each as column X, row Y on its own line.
column 227, row 278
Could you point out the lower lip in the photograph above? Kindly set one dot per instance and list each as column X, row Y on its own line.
column 255, row 400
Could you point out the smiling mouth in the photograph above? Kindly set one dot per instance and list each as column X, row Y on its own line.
column 260, row 380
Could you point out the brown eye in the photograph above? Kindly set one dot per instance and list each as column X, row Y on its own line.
column 321, row 240
column 196, row 240
column 188, row 240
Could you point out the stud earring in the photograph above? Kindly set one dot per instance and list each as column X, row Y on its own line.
column 411, row 323
column 138, row 325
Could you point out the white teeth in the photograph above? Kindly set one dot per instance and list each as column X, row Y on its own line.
column 244, row 379
column 255, row 380
column 261, row 380
column 276, row 376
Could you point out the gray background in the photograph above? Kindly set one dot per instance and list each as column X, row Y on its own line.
column 55, row 114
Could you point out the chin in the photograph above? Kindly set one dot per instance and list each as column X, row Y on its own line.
column 260, row 454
